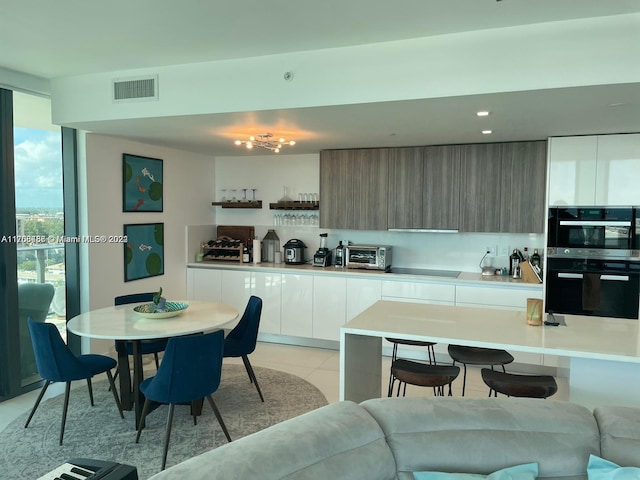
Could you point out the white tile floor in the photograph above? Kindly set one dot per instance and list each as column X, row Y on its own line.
column 318, row 366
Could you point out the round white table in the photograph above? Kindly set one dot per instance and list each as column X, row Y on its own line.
column 121, row 323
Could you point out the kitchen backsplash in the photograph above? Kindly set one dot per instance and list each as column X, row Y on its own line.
column 299, row 174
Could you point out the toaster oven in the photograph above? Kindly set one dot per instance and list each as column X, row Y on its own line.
column 372, row 257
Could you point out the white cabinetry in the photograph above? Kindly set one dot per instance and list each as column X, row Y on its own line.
column 495, row 297
column 618, row 170
column 329, row 306
column 268, row 286
column 204, row 284
column 361, row 294
column 594, row 170
column 236, row 288
column 418, row 292
column 297, row 305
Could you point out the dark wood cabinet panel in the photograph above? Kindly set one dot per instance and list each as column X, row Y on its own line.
column 523, row 187
column 406, row 186
column 441, row 187
column 354, row 186
column 480, row 188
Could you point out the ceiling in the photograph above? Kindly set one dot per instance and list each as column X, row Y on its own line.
column 67, row 37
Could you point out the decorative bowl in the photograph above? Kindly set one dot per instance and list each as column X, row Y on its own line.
column 173, row 309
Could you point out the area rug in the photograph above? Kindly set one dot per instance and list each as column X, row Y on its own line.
column 99, row 433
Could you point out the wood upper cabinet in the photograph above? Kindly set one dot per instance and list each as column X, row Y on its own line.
column 503, row 187
column 441, row 187
column 480, row 187
column 354, row 186
column 522, row 187
column 424, row 187
column 406, row 185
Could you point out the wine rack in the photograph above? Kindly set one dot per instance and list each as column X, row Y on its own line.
column 227, row 250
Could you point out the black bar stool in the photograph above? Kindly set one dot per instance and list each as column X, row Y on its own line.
column 514, row 385
column 416, row 343
column 478, row 356
column 422, row 375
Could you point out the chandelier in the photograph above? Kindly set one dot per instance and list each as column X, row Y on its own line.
column 266, row 141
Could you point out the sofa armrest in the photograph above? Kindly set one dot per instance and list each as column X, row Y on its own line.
column 619, row 434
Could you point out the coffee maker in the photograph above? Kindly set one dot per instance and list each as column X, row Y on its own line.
column 322, row 257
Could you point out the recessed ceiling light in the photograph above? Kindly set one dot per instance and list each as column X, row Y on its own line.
column 487, row 132
column 483, row 113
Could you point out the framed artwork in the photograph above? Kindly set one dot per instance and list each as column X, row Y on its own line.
column 143, row 250
column 141, row 184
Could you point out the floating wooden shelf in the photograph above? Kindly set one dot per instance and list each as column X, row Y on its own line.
column 249, row 204
column 293, row 205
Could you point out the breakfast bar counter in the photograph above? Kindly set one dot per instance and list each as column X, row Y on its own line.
column 604, row 353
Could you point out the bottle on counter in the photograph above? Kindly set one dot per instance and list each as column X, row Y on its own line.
column 514, row 264
column 339, row 258
column 535, row 258
column 245, row 253
column 525, row 255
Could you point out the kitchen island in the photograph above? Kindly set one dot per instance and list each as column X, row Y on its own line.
column 604, row 353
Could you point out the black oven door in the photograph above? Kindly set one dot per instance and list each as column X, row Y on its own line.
column 603, row 288
column 584, row 227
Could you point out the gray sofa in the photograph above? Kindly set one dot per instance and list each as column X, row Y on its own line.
column 385, row 439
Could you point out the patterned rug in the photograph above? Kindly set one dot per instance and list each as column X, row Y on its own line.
column 99, row 433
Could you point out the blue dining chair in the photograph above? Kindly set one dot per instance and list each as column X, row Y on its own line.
column 56, row 363
column 190, row 371
column 147, row 347
column 241, row 341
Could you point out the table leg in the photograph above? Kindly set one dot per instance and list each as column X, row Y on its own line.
column 138, row 375
column 124, row 376
column 360, row 367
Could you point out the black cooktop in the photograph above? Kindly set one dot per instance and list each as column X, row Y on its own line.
column 425, row 271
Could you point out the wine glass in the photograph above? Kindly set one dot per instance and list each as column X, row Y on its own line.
column 224, row 195
column 254, row 190
column 244, row 195
column 233, row 195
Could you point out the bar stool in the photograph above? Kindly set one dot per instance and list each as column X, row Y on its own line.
column 422, row 375
column 478, row 356
column 514, row 385
column 416, row 343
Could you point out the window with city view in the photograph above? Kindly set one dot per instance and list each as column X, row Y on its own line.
column 39, row 221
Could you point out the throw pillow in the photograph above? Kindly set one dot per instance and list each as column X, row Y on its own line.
column 601, row 469
column 528, row 471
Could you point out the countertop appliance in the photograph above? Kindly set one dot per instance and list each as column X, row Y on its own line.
column 322, row 257
column 593, row 261
column 372, row 257
column 294, row 252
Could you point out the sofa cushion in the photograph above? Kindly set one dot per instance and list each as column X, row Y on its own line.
column 471, row 435
column 340, row 440
column 619, row 434
column 528, row 471
column 601, row 469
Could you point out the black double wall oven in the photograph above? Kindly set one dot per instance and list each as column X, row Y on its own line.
column 593, row 261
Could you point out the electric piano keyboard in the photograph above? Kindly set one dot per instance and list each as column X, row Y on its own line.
column 87, row 469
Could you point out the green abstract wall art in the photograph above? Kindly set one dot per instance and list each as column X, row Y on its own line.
column 143, row 251
column 141, row 184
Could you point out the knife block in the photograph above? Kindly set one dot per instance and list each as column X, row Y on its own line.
column 528, row 274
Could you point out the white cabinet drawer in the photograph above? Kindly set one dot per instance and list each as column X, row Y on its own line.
column 495, row 297
column 418, row 291
column 297, row 305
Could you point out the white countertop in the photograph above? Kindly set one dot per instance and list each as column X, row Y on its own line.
column 582, row 337
column 463, row 278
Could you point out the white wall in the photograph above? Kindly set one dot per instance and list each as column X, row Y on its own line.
column 592, row 51
column 188, row 192
column 300, row 173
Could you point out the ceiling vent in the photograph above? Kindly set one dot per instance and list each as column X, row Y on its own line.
column 135, row 89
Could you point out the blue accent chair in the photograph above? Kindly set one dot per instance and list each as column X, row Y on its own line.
column 56, row 363
column 190, row 371
column 241, row 341
column 147, row 347
column 34, row 300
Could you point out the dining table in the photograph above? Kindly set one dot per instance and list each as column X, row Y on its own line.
column 123, row 324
